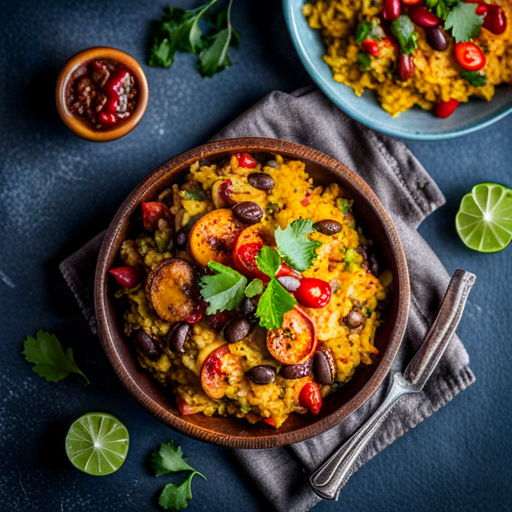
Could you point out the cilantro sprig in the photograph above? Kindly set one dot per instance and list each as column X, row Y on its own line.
column 464, row 22
column 48, row 357
column 180, row 31
column 297, row 250
column 441, row 8
column 169, row 459
column 403, row 28
column 474, row 78
column 275, row 301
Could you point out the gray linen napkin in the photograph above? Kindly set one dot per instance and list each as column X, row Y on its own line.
column 409, row 195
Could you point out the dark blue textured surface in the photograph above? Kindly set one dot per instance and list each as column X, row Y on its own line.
column 57, row 191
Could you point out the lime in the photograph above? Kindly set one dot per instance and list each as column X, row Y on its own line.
column 97, row 443
column 484, row 219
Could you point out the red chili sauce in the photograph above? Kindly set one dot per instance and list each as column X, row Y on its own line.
column 102, row 94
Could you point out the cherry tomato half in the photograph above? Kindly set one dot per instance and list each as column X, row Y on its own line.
column 152, row 212
column 495, row 21
column 445, row 109
column 469, row 56
column 285, row 270
column 127, row 277
column 247, row 247
column 370, row 46
column 311, row 398
column 313, row 293
column 245, row 160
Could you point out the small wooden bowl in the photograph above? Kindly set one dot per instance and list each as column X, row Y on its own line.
column 74, row 123
column 232, row 432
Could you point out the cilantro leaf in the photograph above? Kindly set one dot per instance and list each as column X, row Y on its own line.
column 175, row 497
column 297, row 250
column 363, row 30
column 255, row 287
column 224, row 290
column 464, row 22
column 273, row 304
column 403, row 28
column 49, row 359
column 214, row 57
column 365, row 61
column 168, row 459
column 474, row 78
column 268, row 261
column 441, row 7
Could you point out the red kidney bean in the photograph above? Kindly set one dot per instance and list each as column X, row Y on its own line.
column 437, row 39
column 311, row 398
column 445, row 109
column 391, row 9
column 127, row 277
column 405, row 67
column 495, row 21
column 423, row 17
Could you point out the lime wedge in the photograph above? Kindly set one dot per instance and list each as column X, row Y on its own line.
column 484, row 219
column 97, row 443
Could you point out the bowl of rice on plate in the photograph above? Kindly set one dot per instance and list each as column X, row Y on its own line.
column 412, row 69
column 251, row 293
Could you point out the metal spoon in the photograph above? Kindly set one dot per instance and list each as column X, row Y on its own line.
column 332, row 475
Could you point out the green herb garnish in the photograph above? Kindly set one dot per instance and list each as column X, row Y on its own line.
column 464, row 22
column 224, row 290
column 363, row 30
column 441, row 8
column 179, row 31
column 255, row 287
column 364, row 60
column 48, row 357
column 344, row 204
column 297, row 250
column 169, row 459
column 474, row 78
column 403, row 28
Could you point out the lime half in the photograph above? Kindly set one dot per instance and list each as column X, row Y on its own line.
column 97, row 443
column 484, row 219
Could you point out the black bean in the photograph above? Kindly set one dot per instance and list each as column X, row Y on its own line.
column 297, row 371
column 146, row 344
column 290, row 283
column 237, row 330
column 355, row 318
column 248, row 307
column 178, row 335
column 323, row 366
column 248, row 212
column 328, row 227
column 181, row 238
column 262, row 374
column 437, row 39
column 261, row 181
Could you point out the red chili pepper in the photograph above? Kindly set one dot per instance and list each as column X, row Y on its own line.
column 311, row 398
column 495, row 21
column 270, row 421
column 127, row 277
column 370, row 46
column 445, row 109
column 115, row 82
column 110, row 106
column 313, row 293
column 107, row 119
column 470, row 56
column 246, row 161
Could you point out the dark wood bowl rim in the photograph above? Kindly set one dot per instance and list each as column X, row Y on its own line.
column 274, row 438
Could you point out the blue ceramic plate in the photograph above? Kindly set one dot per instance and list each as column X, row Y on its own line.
column 416, row 123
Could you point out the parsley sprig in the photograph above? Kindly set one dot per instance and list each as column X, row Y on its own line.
column 403, row 28
column 180, row 31
column 464, row 22
column 169, row 459
column 48, row 357
column 474, row 78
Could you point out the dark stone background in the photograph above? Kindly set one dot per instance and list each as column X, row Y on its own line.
column 57, row 191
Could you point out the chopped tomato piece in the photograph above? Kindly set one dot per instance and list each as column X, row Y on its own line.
column 285, row 270
column 470, row 56
column 245, row 160
column 270, row 421
column 152, row 212
column 370, row 46
column 311, row 398
column 127, row 277
column 295, row 342
column 445, row 109
column 313, row 293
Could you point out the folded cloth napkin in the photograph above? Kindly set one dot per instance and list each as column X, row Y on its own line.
column 409, row 195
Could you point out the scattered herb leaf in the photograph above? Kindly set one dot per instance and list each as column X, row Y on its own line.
column 403, row 28
column 224, row 290
column 363, row 30
column 297, row 250
column 464, row 22
column 176, row 497
column 268, row 261
column 474, row 78
column 48, row 357
column 273, row 304
column 365, row 61
column 255, row 287
column 168, row 459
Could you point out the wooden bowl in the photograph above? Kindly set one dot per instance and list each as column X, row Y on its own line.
column 74, row 123
column 233, row 432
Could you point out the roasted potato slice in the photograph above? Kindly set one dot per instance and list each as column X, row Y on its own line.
column 171, row 290
column 214, row 236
